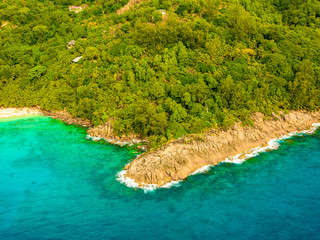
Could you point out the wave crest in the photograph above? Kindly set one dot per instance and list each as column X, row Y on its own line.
column 129, row 182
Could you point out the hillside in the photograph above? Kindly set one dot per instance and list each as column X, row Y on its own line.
column 165, row 68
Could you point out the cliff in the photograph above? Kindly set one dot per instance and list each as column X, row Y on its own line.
column 180, row 158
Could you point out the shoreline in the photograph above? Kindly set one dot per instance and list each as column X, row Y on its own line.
column 190, row 155
column 93, row 132
column 176, row 161
column 115, row 141
column 61, row 115
column 273, row 144
column 17, row 112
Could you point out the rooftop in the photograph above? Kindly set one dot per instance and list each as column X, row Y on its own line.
column 75, row 8
column 76, row 59
column 71, row 43
column 163, row 11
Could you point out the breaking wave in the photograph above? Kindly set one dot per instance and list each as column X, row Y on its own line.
column 129, row 182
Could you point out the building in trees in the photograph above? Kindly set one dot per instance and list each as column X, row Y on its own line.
column 71, row 44
column 76, row 59
column 76, row 8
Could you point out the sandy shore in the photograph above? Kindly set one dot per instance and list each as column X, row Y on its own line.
column 14, row 112
column 62, row 115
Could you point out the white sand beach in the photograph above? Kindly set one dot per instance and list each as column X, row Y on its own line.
column 13, row 112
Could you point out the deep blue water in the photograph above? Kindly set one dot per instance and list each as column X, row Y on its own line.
column 56, row 184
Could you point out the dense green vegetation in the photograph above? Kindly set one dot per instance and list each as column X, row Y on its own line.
column 205, row 63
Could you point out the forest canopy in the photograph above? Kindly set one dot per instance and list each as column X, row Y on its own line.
column 165, row 68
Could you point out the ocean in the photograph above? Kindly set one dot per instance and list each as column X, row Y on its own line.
column 57, row 184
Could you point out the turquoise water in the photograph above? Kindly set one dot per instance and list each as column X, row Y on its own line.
column 56, row 184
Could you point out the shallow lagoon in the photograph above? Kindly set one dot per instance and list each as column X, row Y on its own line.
column 56, row 184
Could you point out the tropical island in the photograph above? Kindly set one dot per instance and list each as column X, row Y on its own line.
column 178, row 74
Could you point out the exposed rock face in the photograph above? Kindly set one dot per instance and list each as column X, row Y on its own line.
column 104, row 131
column 180, row 158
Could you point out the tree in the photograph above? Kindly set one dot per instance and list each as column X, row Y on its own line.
column 303, row 90
column 242, row 23
column 92, row 53
column 85, row 108
column 40, row 32
column 35, row 73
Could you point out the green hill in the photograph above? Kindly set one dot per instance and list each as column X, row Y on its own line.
column 163, row 68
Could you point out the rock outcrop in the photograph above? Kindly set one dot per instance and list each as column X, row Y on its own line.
column 106, row 131
column 180, row 158
column 102, row 131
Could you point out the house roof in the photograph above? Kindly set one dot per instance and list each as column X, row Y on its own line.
column 72, row 42
column 75, row 7
column 163, row 11
column 76, row 59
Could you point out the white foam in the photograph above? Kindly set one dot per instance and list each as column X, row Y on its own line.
column 129, row 182
column 126, row 180
column 202, row 170
column 172, row 184
column 241, row 157
column 93, row 138
column 272, row 145
column 314, row 128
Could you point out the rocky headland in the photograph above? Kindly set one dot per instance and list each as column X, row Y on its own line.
column 180, row 158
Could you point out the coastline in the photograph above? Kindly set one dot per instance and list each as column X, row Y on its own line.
column 179, row 159
column 66, row 117
column 191, row 155
column 118, row 141
column 106, row 133
column 102, row 132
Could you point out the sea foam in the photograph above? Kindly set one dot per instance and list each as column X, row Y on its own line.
column 129, row 182
column 203, row 169
column 237, row 159
column 271, row 145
